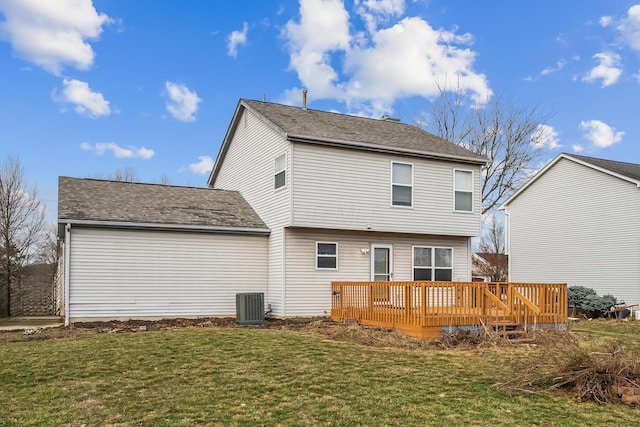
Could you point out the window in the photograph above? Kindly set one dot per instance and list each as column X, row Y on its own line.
column 463, row 190
column 401, row 184
column 280, row 166
column 432, row 264
column 326, row 255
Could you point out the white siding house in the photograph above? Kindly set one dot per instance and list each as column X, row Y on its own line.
column 151, row 273
column 151, row 251
column 297, row 198
column 353, row 188
column 578, row 221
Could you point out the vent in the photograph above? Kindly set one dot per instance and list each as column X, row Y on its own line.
column 390, row 119
column 250, row 308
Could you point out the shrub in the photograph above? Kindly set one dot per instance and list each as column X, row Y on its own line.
column 588, row 301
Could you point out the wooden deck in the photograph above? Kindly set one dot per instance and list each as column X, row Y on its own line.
column 427, row 309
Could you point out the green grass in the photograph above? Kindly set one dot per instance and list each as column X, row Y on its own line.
column 626, row 331
column 226, row 377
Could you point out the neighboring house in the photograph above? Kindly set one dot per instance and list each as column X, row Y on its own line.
column 490, row 267
column 578, row 221
column 343, row 198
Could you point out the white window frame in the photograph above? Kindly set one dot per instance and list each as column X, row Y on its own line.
column 276, row 172
column 433, row 267
column 455, row 190
column 327, row 256
column 401, row 185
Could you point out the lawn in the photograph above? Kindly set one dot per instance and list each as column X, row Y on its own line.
column 245, row 376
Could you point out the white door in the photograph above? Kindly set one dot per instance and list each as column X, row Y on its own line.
column 381, row 270
column 381, row 262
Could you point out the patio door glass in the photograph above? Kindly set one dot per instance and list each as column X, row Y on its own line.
column 381, row 269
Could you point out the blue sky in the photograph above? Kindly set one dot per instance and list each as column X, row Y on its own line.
column 91, row 87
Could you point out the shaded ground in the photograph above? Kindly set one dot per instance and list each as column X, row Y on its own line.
column 353, row 333
column 379, row 337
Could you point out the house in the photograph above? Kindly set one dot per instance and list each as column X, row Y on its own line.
column 578, row 221
column 490, row 267
column 297, row 198
column 350, row 198
column 135, row 250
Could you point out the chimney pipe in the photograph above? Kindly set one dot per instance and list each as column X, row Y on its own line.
column 304, row 99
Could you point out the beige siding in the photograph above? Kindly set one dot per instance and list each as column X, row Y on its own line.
column 309, row 289
column 577, row 225
column 249, row 168
column 128, row 273
column 351, row 189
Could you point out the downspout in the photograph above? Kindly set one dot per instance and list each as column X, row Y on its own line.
column 67, row 273
column 469, row 259
column 285, row 228
column 507, row 241
column 284, row 272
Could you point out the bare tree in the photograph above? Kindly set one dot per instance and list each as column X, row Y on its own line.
column 22, row 227
column 491, row 259
column 127, row 174
column 507, row 134
column 493, row 238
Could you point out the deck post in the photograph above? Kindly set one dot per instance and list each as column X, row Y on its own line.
column 371, row 301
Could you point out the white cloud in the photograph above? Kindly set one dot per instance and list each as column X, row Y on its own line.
column 323, row 28
column 605, row 21
column 375, row 12
column 609, row 69
column 600, row 134
column 380, row 66
column 86, row 101
column 183, row 103
column 203, row 167
column 235, row 39
column 548, row 70
column 52, row 34
column 545, row 136
column 119, row 152
column 577, row 148
column 559, row 66
column 629, row 27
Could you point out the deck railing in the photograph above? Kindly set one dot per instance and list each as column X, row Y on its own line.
column 441, row 304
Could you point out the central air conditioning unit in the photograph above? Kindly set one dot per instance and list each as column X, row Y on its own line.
column 250, row 308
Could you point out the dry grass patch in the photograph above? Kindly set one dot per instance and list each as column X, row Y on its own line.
column 598, row 370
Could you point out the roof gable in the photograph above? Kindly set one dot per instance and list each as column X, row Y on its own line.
column 321, row 127
column 100, row 201
column 626, row 171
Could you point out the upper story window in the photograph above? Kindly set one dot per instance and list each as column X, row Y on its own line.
column 432, row 264
column 401, row 184
column 463, row 190
column 280, row 166
column 327, row 255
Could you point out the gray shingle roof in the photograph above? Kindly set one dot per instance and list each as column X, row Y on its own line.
column 125, row 202
column 316, row 125
column 630, row 170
